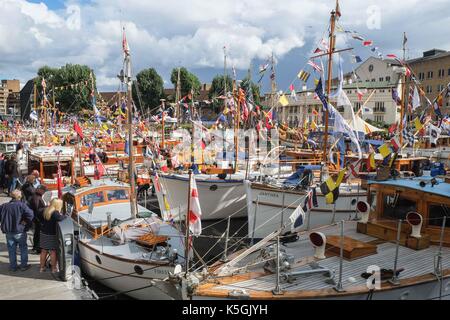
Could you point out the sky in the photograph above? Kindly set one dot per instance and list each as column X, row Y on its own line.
column 192, row 33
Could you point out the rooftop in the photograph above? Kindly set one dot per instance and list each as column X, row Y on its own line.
column 431, row 55
column 440, row 189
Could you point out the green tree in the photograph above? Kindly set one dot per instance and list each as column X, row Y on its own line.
column 246, row 84
column 71, row 84
column 188, row 81
column 150, row 86
column 217, row 90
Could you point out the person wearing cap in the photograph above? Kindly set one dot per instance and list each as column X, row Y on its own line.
column 37, row 204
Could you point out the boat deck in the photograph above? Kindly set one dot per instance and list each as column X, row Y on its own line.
column 414, row 262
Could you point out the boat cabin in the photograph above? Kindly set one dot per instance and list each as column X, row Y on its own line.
column 393, row 200
column 91, row 205
column 8, row 147
column 45, row 160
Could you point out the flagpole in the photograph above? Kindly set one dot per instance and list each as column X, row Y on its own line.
column 186, row 247
column 131, row 167
column 330, row 66
column 403, row 101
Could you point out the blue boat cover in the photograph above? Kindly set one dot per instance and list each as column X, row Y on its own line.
column 295, row 179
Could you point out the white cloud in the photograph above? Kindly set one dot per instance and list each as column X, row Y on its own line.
column 164, row 34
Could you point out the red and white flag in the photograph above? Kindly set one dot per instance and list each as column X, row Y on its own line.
column 125, row 46
column 395, row 143
column 368, row 43
column 315, row 66
column 59, row 183
column 78, row 129
column 195, row 212
column 99, row 168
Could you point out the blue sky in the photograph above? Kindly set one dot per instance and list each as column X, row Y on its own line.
column 165, row 34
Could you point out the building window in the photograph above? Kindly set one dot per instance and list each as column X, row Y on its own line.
column 429, row 89
column 440, row 87
column 381, row 79
column 430, row 75
column 349, row 91
column 357, row 106
column 379, row 107
column 388, row 79
column 379, row 118
column 448, row 72
column 441, row 73
column 373, row 80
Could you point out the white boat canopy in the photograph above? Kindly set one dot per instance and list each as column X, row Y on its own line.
column 360, row 125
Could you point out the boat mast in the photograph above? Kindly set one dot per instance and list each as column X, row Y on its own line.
column 45, row 116
column 330, row 73
column 34, row 100
column 178, row 97
column 225, row 77
column 163, row 123
column 131, row 166
column 403, row 93
column 186, row 241
column 236, row 93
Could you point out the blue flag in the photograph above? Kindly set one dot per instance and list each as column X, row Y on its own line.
column 127, row 147
column 321, row 95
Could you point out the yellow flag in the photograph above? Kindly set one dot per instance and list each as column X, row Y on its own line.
column 284, row 101
column 316, row 82
column 385, row 150
column 313, row 125
column 418, row 124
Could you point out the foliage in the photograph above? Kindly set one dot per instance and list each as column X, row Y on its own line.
column 188, row 81
column 246, row 84
column 75, row 83
column 150, row 86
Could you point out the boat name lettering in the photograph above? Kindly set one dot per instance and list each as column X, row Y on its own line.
column 269, row 194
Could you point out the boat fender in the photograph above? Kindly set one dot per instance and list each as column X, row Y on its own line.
column 65, row 249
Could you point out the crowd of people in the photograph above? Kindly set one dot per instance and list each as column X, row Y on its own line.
column 25, row 212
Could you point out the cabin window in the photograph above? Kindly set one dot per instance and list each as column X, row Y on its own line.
column 372, row 200
column 436, row 213
column 33, row 164
column 51, row 170
column 68, row 205
column 397, row 207
column 114, row 195
column 96, row 197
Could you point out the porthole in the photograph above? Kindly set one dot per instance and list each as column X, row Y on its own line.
column 353, row 202
column 99, row 261
column 138, row 270
column 213, row 187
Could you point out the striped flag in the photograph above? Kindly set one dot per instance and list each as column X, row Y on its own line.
column 303, row 75
column 315, row 66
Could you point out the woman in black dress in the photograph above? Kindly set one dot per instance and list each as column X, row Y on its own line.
column 48, row 241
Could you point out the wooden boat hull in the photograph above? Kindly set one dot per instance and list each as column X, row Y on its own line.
column 427, row 290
